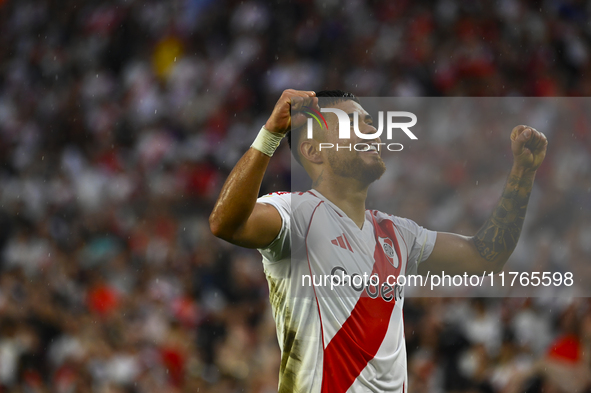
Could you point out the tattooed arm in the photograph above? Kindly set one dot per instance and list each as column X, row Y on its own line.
column 498, row 237
column 494, row 242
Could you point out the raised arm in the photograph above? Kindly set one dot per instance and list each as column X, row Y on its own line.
column 494, row 242
column 236, row 217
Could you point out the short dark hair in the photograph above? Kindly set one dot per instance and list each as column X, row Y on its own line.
column 330, row 97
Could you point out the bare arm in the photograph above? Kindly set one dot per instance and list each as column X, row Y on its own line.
column 494, row 242
column 236, row 216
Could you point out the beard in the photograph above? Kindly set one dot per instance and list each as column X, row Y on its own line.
column 356, row 168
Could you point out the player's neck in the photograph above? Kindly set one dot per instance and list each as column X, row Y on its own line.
column 348, row 195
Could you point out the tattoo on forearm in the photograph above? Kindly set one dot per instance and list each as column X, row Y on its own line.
column 500, row 232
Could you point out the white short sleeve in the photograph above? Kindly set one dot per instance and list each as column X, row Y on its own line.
column 419, row 240
column 280, row 247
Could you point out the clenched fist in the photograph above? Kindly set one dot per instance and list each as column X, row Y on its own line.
column 529, row 147
column 281, row 119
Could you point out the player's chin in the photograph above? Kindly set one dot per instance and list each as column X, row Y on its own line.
column 373, row 171
column 372, row 158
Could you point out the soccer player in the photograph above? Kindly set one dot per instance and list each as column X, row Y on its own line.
column 350, row 338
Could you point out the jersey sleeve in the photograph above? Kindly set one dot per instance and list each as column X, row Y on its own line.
column 420, row 242
column 280, row 247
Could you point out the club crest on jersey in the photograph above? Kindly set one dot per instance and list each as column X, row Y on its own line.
column 388, row 247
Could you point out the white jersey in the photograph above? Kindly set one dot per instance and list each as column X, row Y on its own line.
column 347, row 337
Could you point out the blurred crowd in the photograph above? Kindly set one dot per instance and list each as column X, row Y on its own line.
column 120, row 120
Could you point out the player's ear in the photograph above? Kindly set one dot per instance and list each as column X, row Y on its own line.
column 309, row 151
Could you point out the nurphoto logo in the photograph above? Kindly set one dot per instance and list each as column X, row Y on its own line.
column 392, row 124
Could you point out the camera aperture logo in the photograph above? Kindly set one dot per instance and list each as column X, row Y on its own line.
column 345, row 128
column 315, row 114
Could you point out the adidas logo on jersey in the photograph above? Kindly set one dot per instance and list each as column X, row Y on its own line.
column 342, row 242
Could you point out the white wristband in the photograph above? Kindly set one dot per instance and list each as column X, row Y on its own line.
column 267, row 142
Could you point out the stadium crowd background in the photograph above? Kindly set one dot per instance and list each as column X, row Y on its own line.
column 120, row 120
